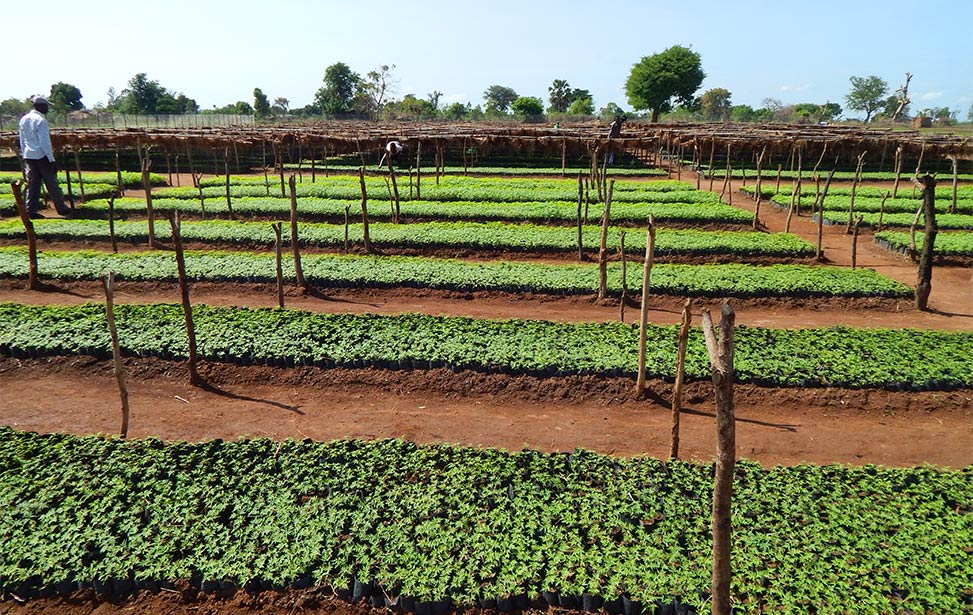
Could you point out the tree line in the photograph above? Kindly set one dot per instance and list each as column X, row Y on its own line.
column 660, row 86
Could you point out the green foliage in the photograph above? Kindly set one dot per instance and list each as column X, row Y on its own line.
column 582, row 106
column 726, row 280
column 560, row 96
column 430, row 235
column 944, row 221
column 527, row 106
column 867, row 94
column 947, row 244
column 656, row 80
column 144, row 95
column 338, row 91
column 836, row 356
column 499, row 98
column 65, row 97
column 261, row 104
column 715, row 104
column 462, row 525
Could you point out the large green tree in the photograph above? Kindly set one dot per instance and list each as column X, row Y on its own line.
column 867, row 94
column 657, row 80
column 65, row 97
column 559, row 95
column 145, row 95
column 340, row 86
column 715, row 104
column 499, row 98
column 261, row 104
column 527, row 106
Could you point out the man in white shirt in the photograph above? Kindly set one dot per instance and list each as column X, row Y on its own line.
column 35, row 147
column 392, row 150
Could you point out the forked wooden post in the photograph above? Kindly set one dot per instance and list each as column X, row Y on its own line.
column 187, row 307
column 347, row 221
column 77, row 167
column 881, row 210
column 147, row 187
column 721, row 365
column 198, row 182
column 644, row 310
column 687, row 318
column 419, row 170
column 898, row 171
column 580, row 193
column 854, row 190
column 795, row 193
column 952, row 205
column 278, row 249
column 819, row 206
column 924, row 284
column 295, row 248
column 757, row 189
column 109, row 283
column 564, row 156
column 621, row 256
column 67, row 175
column 854, row 242
column 119, row 184
column 33, row 280
column 226, row 176
column 111, row 225
column 395, row 192
column 603, row 246
column 364, row 211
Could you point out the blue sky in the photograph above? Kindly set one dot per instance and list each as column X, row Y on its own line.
column 217, row 51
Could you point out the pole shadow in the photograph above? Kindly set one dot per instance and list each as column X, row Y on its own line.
column 212, row 388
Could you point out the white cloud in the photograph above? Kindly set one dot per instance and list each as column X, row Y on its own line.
column 931, row 95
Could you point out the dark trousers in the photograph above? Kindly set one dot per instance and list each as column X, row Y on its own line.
column 43, row 170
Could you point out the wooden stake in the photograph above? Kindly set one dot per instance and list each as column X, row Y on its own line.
column 226, row 173
column 924, row 285
column 854, row 189
column 780, row 168
column 687, row 318
column 147, row 187
column 580, row 245
column 109, row 284
column 120, row 185
column 564, row 155
column 347, row 215
column 898, row 171
column 712, row 153
column 795, row 192
column 757, row 189
column 111, row 225
column 67, row 174
column 419, row 170
column 278, row 249
column 644, row 310
column 198, row 182
column 621, row 256
column 854, row 243
column 187, row 307
column 603, row 249
column 395, row 192
column 33, row 279
column 298, row 270
column 77, row 166
column 881, row 210
column 721, row 366
column 364, row 211
column 819, row 205
column 952, row 206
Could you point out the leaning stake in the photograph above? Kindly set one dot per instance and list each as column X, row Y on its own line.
column 187, row 307
column 644, row 311
column 298, row 270
column 33, row 281
column 687, row 318
column 278, row 248
column 109, row 283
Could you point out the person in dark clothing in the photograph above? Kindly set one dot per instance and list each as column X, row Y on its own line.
column 392, row 150
column 38, row 155
column 614, row 132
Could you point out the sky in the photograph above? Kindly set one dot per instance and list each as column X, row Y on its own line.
column 218, row 51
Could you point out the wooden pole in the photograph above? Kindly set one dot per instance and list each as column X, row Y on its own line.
column 77, row 167
column 854, row 242
column 187, row 307
column 687, row 318
column 278, row 249
column 712, row 153
column 580, row 193
column 295, row 248
column 109, row 284
column 757, row 189
column 881, row 210
column 924, row 285
column 279, row 165
column 33, row 279
column 111, row 225
column 621, row 256
column 819, row 205
column 198, row 182
column 419, row 171
column 644, row 309
column 898, row 171
column 603, row 246
column 395, row 192
column 147, row 187
column 780, row 168
column 364, row 211
column 119, row 184
column 226, row 174
column 721, row 361
column 726, row 178
column 952, row 206
column 564, row 156
column 347, row 216
column 854, row 189
column 795, row 193
column 67, row 174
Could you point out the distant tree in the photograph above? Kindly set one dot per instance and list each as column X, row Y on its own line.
column 969, row 114
column 340, row 86
column 715, row 104
column 657, row 80
column 281, row 106
column 559, row 95
column 577, row 93
column 610, row 111
column 261, row 104
column 830, row 112
column 527, row 106
column 145, row 95
column 456, row 111
column 476, row 113
column 942, row 115
column 176, row 104
column 412, row 107
column 498, row 98
column 65, row 97
column 238, row 108
column 14, row 106
column 433, row 98
column 867, row 94
column 377, row 85
column 742, row 113
column 582, row 106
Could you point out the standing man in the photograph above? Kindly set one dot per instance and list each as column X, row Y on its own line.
column 614, row 132
column 38, row 155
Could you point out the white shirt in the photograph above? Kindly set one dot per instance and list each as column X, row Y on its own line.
column 35, row 137
column 394, row 147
